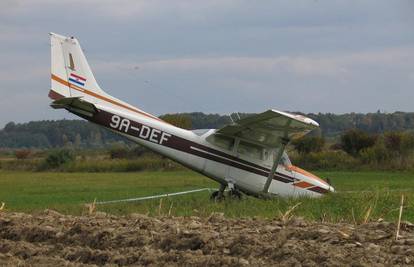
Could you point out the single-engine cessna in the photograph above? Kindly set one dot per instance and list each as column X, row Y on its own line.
column 246, row 156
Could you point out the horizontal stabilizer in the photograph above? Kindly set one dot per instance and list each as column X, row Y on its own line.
column 75, row 105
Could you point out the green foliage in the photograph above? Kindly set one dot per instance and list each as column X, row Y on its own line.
column 10, row 127
column 374, row 123
column 180, row 120
column 22, row 153
column 326, row 160
column 57, row 158
column 121, row 151
column 90, row 164
column 52, row 134
column 392, row 150
column 354, row 140
column 200, row 120
column 21, row 165
column 118, row 151
column 121, row 165
column 398, row 143
column 308, row 144
column 377, row 155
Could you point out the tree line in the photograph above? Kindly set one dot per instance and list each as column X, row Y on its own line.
column 356, row 149
column 79, row 133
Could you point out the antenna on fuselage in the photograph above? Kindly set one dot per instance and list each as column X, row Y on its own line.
column 238, row 115
column 232, row 121
column 231, row 118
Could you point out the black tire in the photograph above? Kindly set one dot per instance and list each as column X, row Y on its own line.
column 215, row 196
column 235, row 194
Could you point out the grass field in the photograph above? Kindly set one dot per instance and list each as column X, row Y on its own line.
column 361, row 195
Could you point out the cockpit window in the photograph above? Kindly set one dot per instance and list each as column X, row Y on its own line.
column 222, row 141
column 250, row 150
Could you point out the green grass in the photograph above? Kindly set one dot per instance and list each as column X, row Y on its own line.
column 358, row 192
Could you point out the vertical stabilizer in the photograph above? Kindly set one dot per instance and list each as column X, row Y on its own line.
column 72, row 76
column 70, row 71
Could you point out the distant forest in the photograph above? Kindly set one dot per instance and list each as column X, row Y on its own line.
column 79, row 133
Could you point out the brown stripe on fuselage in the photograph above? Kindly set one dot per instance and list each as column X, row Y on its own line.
column 319, row 190
column 103, row 118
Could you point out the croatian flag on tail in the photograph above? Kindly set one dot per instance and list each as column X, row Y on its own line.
column 76, row 79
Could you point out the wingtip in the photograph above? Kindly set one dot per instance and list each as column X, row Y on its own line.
column 299, row 117
column 312, row 122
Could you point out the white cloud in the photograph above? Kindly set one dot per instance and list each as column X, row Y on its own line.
column 320, row 66
column 390, row 55
column 302, row 66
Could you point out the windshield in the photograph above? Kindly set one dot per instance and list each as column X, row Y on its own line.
column 285, row 160
column 200, row 132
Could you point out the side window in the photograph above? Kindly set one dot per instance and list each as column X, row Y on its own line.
column 265, row 154
column 250, row 150
column 223, row 142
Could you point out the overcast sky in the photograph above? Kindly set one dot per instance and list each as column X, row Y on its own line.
column 215, row 56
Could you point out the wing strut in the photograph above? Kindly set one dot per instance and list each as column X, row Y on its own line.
column 284, row 141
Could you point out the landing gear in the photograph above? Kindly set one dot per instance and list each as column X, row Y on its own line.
column 218, row 195
column 233, row 193
column 215, row 196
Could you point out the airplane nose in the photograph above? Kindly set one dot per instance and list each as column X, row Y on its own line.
column 318, row 185
column 330, row 187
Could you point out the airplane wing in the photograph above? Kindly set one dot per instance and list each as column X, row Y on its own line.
column 76, row 105
column 270, row 127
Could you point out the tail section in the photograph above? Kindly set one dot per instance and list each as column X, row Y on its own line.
column 71, row 73
column 72, row 77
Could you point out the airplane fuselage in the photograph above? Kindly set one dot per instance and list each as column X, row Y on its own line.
column 195, row 152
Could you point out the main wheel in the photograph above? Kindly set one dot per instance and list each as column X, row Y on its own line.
column 216, row 196
column 235, row 194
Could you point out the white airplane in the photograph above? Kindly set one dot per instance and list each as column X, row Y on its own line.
column 247, row 156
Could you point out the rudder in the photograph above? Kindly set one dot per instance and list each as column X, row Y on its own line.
column 71, row 73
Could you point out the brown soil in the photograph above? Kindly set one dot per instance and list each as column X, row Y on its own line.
column 52, row 239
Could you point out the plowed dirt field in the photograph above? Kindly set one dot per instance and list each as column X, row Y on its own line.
column 52, row 239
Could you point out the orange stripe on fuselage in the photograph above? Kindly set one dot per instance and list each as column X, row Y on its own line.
column 306, row 173
column 56, row 78
column 303, row 184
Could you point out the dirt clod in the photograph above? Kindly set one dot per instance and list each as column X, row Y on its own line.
column 52, row 239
